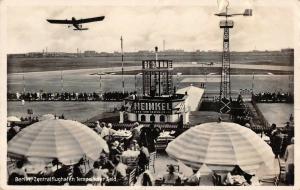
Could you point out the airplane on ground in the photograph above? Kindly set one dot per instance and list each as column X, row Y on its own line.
column 76, row 23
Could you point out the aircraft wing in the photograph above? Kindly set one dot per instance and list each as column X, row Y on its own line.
column 86, row 20
column 60, row 21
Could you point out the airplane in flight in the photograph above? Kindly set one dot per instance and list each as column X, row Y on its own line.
column 247, row 12
column 76, row 23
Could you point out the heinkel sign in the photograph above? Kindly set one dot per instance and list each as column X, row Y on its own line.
column 152, row 107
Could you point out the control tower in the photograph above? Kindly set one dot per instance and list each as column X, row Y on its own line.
column 157, row 78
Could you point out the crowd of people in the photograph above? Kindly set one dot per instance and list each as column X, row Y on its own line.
column 283, row 147
column 273, row 97
column 67, row 96
column 109, row 169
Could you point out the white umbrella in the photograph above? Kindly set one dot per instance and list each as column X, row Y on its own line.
column 66, row 140
column 221, row 146
column 12, row 119
column 46, row 117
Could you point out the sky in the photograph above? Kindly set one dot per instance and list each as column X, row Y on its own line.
column 143, row 27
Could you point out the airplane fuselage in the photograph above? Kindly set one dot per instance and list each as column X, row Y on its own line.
column 76, row 25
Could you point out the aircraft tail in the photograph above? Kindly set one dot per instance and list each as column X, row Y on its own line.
column 248, row 12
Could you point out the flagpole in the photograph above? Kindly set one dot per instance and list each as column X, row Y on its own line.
column 24, row 90
column 123, row 86
column 61, row 81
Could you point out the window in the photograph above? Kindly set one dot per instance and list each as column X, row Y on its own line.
column 152, row 118
column 162, row 118
column 143, row 118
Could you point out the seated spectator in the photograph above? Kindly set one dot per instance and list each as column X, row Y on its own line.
column 134, row 146
column 18, row 172
column 237, row 177
column 62, row 171
column 114, row 151
column 194, row 180
column 48, row 171
column 171, row 178
column 106, row 164
column 96, row 174
column 121, row 172
column 78, row 173
column 145, row 179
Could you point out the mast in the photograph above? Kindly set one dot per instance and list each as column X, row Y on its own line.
column 123, row 84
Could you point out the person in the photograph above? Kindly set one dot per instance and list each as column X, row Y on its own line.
column 114, row 151
column 143, row 158
column 106, row 164
column 48, row 171
column 273, row 129
column 120, row 172
column 289, row 163
column 287, row 126
column 194, row 180
column 96, row 174
column 135, row 131
column 145, row 179
column 148, row 136
column 78, row 173
column 11, row 133
column 135, row 135
column 105, row 131
column 276, row 143
column 171, row 178
column 18, row 172
column 108, row 131
column 134, row 146
column 98, row 128
column 291, row 118
column 62, row 171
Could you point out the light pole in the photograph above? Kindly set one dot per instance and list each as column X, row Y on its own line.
column 123, row 85
column 62, row 81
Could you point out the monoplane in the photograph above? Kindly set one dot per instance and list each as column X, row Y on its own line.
column 77, row 24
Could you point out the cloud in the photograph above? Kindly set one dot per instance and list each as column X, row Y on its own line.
column 143, row 27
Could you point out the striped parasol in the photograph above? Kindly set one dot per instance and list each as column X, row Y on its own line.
column 66, row 140
column 221, row 146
